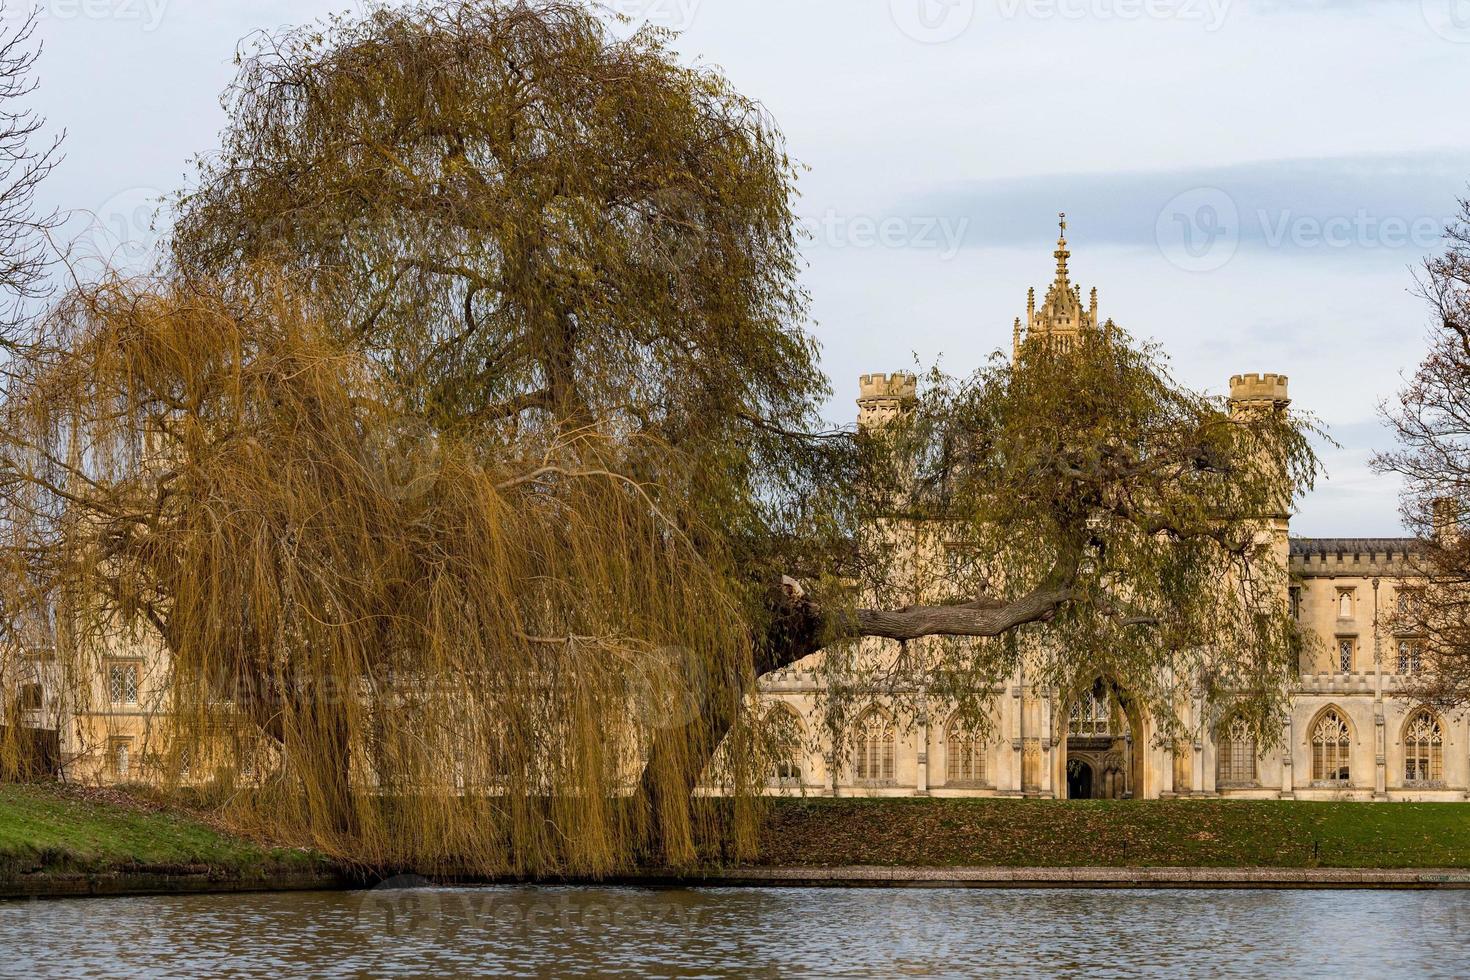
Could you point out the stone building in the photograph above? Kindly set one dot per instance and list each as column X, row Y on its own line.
column 1349, row 734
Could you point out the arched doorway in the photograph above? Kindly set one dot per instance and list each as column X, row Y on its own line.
column 1104, row 734
column 1079, row 780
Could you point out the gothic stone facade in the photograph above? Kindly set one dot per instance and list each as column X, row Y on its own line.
column 1349, row 734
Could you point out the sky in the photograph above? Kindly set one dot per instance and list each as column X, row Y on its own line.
column 1250, row 183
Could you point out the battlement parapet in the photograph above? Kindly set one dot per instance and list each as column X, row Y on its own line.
column 900, row 385
column 1259, row 388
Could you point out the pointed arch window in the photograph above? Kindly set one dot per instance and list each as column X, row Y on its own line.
column 1331, row 744
column 1236, row 761
column 1423, row 748
column 783, row 732
column 1091, row 717
column 964, row 754
column 873, row 748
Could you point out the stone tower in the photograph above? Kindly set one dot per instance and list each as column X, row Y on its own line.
column 1062, row 316
column 1251, row 393
column 883, row 396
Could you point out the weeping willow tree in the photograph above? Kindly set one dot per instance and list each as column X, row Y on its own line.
column 465, row 465
column 439, row 656
column 1078, row 515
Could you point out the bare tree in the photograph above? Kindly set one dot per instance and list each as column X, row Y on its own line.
column 1431, row 418
column 25, row 247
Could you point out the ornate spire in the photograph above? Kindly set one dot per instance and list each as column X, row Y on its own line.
column 1061, row 316
column 1061, row 254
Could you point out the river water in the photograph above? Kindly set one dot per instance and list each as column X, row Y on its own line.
column 727, row 932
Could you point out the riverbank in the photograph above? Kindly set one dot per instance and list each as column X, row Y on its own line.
column 1002, row 833
column 64, row 841
column 68, row 841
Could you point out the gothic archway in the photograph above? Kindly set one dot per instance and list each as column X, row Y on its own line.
column 1102, row 728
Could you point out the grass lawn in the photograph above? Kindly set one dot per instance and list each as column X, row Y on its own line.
column 1122, row 833
column 49, row 828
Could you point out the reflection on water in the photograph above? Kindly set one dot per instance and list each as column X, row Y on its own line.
column 528, row 931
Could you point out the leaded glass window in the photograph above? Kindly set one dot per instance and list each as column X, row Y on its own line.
column 1091, row 717
column 1423, row 749
column 1237, row 755
column 874, row 743
column 122, row 682
column 1331, row 742
column 964, row 754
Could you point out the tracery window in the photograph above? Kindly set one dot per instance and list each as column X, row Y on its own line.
column 122, row 753
column 873, row 745
column 1423, row 748
column 1091, row 717
column 964, row 754
column 784, row 732
column 1331, row 742
column 122, row 682
column 1411, row 656
column 1236, row 761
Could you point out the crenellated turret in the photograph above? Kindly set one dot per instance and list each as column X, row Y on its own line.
column 1259, row 391
column 881, row 397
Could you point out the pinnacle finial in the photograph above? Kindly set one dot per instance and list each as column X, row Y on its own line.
column 1061, row 253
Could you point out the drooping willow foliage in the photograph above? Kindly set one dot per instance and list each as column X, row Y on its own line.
column 1144, row 521
column 413, row 652
column 456, row 477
